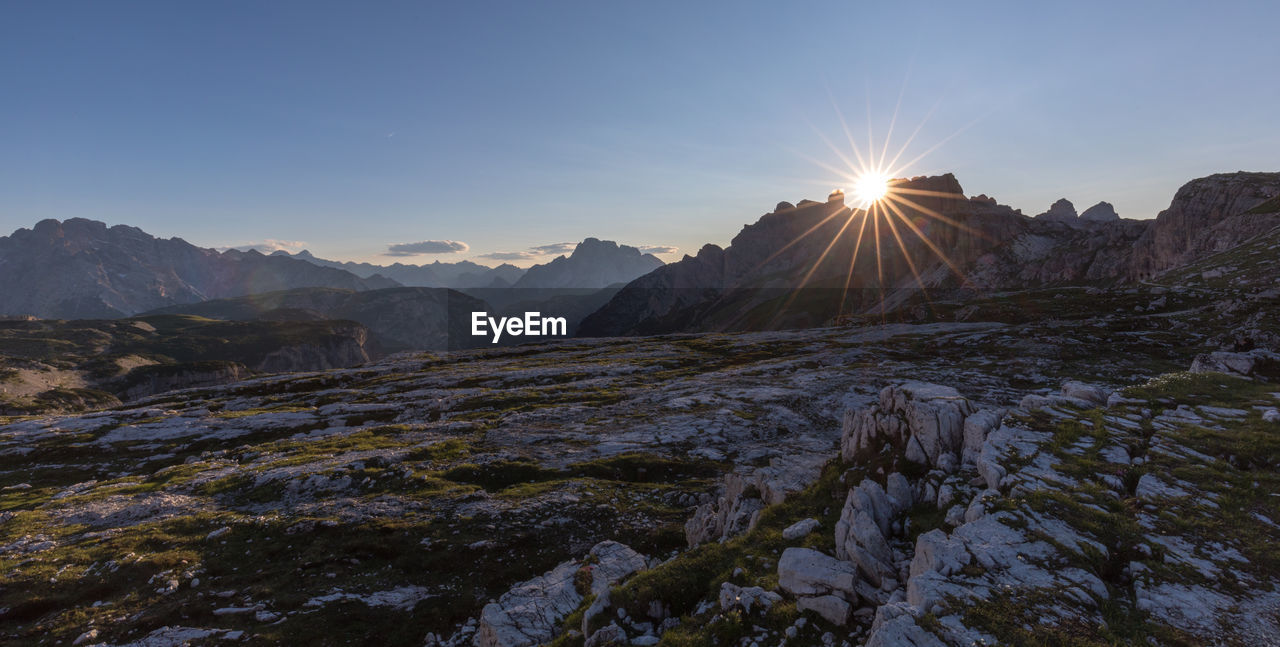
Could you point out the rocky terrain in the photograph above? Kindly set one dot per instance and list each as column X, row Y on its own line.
column 82, row 269
column 50, row 365
column 1029, row 467
column 1069, row 438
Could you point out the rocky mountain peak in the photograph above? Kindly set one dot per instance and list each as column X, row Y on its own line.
column 1101, row 212
column 1060, row 211
column 594, row 263
column 1207, row 215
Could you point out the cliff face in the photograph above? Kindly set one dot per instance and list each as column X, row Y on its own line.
column 78, row 269
column 1207, row 215
column 344, row 348
column 159, row 379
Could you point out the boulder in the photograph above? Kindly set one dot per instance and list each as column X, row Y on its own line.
column 831, row 608
column 800, row 529
column 1094, row 395
column 747, row 598
column 610, row 634
column 899, row 489
column 938, row 553
column 807, row 572
column 976, row 428
column 1242, row 364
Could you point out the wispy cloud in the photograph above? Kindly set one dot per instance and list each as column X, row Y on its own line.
column 556, row 248
column 426, row 247
column 659, row 249
column 511, row 256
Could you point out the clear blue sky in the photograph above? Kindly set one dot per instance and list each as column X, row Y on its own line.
column 354, row 126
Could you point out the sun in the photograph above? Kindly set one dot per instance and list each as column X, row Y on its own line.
column 870, row 188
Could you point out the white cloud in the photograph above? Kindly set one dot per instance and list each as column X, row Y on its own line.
column 555, row 248
column 426, row 247
column 659, row 249
column 270, row 245
column 511, row 256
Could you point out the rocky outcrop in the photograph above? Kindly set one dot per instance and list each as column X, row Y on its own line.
column 863, row 532
column 747, row 492
column 344, row 348
column 1207, row 215
column 923, row 423
column 150, row 380
column 531, row 612
column 1248, row 364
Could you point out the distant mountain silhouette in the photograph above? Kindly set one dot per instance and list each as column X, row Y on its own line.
column 459, row 275
column 593, row 264
column 79, row 268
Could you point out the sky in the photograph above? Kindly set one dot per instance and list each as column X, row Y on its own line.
column 422, row 131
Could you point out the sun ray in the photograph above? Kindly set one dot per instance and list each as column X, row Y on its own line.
column 853, row 260
column 934, row 215
column 888, row 135
column 871, row 140
column 911, row 264
column 937, row 194
column 930, row 244
column 799, row 238
column 939, row 144
column 892, row 165
column 879, row 260
column 814, row 268
column 847, row 133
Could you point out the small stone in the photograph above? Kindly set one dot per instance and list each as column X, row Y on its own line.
column 800, row 529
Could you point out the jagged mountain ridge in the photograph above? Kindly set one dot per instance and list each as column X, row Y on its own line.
column 80, row 268
column 459, row 275
column 594, row 264
column 987, row 247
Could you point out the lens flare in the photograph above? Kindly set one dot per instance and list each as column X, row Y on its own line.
column 870, row 188
column 887, row 214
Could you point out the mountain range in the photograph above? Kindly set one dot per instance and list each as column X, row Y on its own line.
column 83, row 269
column 459, row 275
